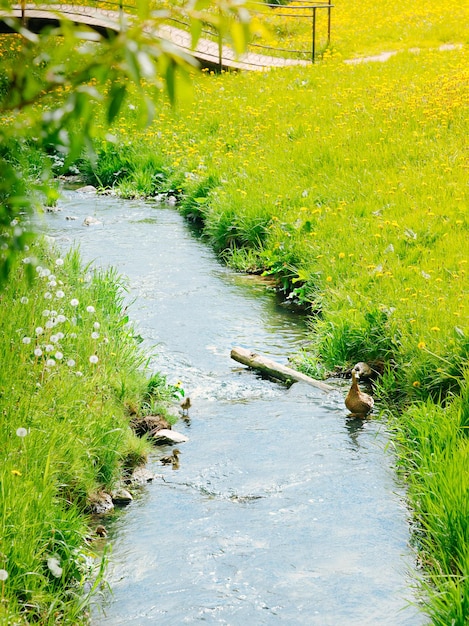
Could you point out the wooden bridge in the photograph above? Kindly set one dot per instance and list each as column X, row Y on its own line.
column 210, row 51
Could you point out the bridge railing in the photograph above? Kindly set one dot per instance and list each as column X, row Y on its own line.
column 296, row 31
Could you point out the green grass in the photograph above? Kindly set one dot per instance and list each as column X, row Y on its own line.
column 72, row 373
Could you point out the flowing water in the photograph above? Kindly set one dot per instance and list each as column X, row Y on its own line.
column 283, row 509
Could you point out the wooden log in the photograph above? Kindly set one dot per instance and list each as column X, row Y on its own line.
column 274, row 369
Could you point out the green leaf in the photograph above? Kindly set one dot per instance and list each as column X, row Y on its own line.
column 116, row 98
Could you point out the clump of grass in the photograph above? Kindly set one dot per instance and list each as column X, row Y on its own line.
column 70, row 364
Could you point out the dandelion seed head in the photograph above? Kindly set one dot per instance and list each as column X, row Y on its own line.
column 71, row 363
column 53, row 338
column 79, row 374
column 59, row 262
column 3, row 574
column 26, row 340
column 53, row 564
column 21, row 432
column 94, row 335
column 50, row 324
column 60, row 336
column 74, row 302
column 50, row 363
column 59, row 356
column 27, row 260
column 39, row 330
column 48, row 295
column 46, row 313
column 24, row 300
column 52, row 284
column 90, row 309
column 38, row 352
column 93, row 359
column 59, row 294
column 96, row 325
column 49, row 348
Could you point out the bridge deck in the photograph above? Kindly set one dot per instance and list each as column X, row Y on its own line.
column 102, row 20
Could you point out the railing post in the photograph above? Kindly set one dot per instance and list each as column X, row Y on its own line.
column 23, row 12
column 313, row 51
column 220, row 43
column 329, row 23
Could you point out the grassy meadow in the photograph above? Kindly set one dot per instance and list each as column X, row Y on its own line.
column 347, row 183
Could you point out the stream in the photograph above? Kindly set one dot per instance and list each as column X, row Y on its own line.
column 283, row 509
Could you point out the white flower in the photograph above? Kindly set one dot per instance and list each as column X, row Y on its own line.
column 93, row 358
column 45, row 272
column 50, row 363
column 60, row 336
column 61, row 318
column 71, row 363
column 59, row 356
column 38, row 352
column 52, row 284
column 27, row 260
column 39, row 330
column 24, row 300
column 74, row 302
column 90, row 309
column 93, row 336
column 46, row 313
column 53, row 339
column 21, row 432
column 49, row 348
column 53, row 313
column 73, row 335
column 79, row 373
column 26, row 340
column 59, row 262
column 96, row 325
column 3, row 574
column 59, row 294
column 50, row 324
column 48, row 295
column 53, row 564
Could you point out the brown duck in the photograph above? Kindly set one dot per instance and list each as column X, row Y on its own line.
column 357, row 402
column 186, row 405
column 172, row 459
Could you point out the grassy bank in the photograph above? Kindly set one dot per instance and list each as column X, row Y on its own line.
column 71, row 372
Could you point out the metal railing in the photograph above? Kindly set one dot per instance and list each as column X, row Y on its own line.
column 284, row 22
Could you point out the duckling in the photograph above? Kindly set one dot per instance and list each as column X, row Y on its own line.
column 101, row 531
column 186, row 405
column 172, row 459
column 363, row 370
column 357, row 402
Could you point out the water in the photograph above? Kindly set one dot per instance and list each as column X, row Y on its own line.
column 283, row 509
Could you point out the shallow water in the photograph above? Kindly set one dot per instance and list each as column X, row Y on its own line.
column 283, row 509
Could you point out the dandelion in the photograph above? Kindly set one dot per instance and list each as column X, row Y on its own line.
column 59, row 356
column 46, row 313
column 78, row 373
column 93, row 359
column 96, row 325
column 60, row 319
column 90, row 309
column 435, row 329
column 15, row 473
column 329, row 279
column 26, row 340
column 52, row 284
column 27, row 260
column 48, row 295
column 59, row 294
column 50, row 324
column 24, row 300
column 50, row 363
column 39, row 330
column 3, row 575
column 341, row 255
column 71, row 363
column 59, row 262
column 49, row 348
column 94, row 335
column 60, row 336
column 38, row 352
column 21, row 432
column 416, row 384
column 421, row 345
column 53, row 564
